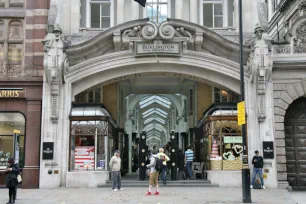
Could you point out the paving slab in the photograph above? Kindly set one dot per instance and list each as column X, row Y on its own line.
column 174, row 195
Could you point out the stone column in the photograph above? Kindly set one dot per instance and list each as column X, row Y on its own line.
column 179, row 9
column 120, row 11
column 134, row 10
column 193, row 11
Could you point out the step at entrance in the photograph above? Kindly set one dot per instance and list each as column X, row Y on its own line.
column 180, row 183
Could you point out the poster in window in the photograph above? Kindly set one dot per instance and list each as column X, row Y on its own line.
column 84, row 158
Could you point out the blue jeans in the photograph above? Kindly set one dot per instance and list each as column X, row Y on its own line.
column 189, row 168
column 116, row 177
column 164, row 173
column 259, row 172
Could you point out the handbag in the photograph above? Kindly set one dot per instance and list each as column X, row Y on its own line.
column 19, row 178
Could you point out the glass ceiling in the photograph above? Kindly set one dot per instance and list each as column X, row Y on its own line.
column 153, row 111
column 157, row 119
column 155, row 99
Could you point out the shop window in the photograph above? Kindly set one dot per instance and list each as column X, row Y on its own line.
column 11, row 124
column 90, row 140
column 224, row 142
column 222, row 96
column 157, row 10
column 218, row 13
column 90, row 96
column 95, row 13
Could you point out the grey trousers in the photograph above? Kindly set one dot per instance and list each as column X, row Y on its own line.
column 116, row 177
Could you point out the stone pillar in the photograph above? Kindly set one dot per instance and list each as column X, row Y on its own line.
column 120, row 11
column 134, row 10
column 193, row 11
column 179, row 9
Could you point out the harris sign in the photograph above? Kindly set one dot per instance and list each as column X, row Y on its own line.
column 12, row 93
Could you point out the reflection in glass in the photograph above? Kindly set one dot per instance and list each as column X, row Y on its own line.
column 157, row 11
column 15, row 32
column 15, row 53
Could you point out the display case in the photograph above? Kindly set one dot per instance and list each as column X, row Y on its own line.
column 224, row 148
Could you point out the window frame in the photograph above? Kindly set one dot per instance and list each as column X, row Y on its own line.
column 6, row 68
column 8, row 4
column 168, row 3
column 225, row 13
column 88, row 13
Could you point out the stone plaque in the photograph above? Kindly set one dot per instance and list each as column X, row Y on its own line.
column 158, row 48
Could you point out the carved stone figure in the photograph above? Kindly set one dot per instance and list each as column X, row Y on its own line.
column 55, row 64
column 135, row 32
column 261, row 68
column 300, row 38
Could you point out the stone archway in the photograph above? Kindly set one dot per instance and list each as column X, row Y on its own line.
column 284, row 95
column 295, row 139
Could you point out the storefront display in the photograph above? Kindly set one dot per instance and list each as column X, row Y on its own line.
column 224, row 141
column 84, row 158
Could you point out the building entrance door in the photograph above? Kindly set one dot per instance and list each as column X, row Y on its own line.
column 295, row 137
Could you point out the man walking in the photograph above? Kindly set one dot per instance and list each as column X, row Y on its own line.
column 162, row 156
column 115, row 166
column 189, row 160
column 257, row 162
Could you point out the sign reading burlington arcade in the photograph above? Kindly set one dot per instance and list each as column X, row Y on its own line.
column 158, row 47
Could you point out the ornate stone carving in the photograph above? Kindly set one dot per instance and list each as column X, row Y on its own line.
column 164, row 31
column 55, row 66
column 149, row 31
column 261, row 68
column 300, row 38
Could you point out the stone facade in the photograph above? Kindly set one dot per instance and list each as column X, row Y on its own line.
column 274, row 70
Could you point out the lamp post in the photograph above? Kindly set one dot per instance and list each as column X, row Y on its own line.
column 246, row 191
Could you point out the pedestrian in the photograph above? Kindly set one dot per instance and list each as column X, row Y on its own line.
column 181, row 164
column 12, row 172
column 153, row 173
column 257, row 162
column 162, row 156
column 189, row 160
column 115, row 166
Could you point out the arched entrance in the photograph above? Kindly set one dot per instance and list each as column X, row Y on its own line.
column 295, row 139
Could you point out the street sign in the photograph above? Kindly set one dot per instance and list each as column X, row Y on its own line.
column 241, row 113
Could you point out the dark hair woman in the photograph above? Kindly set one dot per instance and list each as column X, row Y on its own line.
column 12, row 172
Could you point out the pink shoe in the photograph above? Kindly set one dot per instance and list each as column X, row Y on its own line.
column 148, row 193
column 157, row 193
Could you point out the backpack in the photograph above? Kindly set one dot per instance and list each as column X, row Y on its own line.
column 158, row 164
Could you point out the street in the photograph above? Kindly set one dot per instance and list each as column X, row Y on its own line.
column 167, row 196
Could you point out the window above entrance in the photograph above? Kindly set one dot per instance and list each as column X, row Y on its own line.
column 157, row 10
column 217, row 13
column 95, row 14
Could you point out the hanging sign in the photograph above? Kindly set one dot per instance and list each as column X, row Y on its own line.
column 48, row 150
column 241, row 113
column 232, row 139
column 268, row 150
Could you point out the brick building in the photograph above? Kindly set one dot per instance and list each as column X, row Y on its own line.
column 23, row 25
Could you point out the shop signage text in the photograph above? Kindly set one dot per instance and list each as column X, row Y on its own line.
column 12, row 94
column 158, row 48
column 232, row 139
column 48, row 150
column 268, row 150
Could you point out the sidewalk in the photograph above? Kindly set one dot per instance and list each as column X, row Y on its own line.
column 136, row 196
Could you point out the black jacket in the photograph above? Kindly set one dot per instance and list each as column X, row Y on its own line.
column 258, row 163
column 11, row 178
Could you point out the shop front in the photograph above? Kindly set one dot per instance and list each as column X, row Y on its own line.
column 20, row 115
